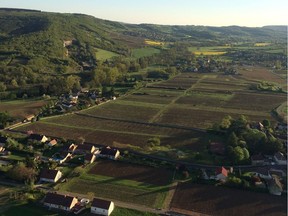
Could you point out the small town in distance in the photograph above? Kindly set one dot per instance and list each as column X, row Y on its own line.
column 106, row 118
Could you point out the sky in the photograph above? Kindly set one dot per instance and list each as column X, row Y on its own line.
column 251, row 13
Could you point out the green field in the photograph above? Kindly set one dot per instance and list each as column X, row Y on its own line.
column 216, row 50
column 104, row 54
column 143, row 52
column 29, row 210
column 129, row 212
column 125, row 190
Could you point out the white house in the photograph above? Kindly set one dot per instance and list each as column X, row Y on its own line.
column 58, row 201
column 49, row 175
column 280, row 159
column 38, row 137
column 89, row 158
column 102, row 207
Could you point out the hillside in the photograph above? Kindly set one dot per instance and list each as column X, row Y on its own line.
column 36, row 38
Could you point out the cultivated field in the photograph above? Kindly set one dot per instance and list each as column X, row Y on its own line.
column 213, row 200
column 121, row 170
column 22, row 108
column 104, row 54
column 128, row 183
column 170, row 110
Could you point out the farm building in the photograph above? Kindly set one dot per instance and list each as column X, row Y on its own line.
column 102, row 207
column 61, row 158
column 89, row 158
column 38, row 137
column 58, row 201
column 52, row 142
column 49, row 175
column 110, row 153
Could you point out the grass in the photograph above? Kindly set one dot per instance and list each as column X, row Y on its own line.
column 153, row 43
column 28, row 210
column 143, row 52
column 216, row 50
column 104, row 54
column 130, row 212
column 153, row 197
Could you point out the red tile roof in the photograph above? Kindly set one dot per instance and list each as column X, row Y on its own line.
column 222, row 170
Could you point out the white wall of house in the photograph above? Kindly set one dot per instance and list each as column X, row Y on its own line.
column 100, row 211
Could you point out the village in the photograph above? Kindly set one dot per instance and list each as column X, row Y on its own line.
column 267, row 173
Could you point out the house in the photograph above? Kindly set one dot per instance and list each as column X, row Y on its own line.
column 58, row 201
column 217, row 148
column 110, row 153
column 85, row 149
column 278, row 172
column 38, row 137
column 2, row 149
column 221, row 173
column 280, row 158
column 72, row 148
column 29, row 118
column 275, row 187
column 52, row 142
column 257, row 159
column 262, row 172
column 89, row 158
column 102, row 207
column 61, row 158
column 49, row 175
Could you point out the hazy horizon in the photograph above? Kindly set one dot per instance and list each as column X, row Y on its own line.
column 248, row 13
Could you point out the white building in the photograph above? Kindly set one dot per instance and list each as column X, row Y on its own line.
column 58, row 201
column 102, row 207
column 48, row 175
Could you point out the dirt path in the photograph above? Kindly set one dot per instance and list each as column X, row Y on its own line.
column 169, row 197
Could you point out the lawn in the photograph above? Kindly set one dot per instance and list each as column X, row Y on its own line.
column 104, row 54
column 216, row 50
column 29, row 210
column 129, row 212
column 143, row 52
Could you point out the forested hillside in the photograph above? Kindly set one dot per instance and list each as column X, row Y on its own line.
column 40, row 48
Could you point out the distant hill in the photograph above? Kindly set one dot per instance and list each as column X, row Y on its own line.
column 36, row 39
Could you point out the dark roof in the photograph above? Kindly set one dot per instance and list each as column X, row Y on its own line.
column 257, row 157
column 99, row 203
column 85, row 147
column 108, row 151
column 3, row 139
column 58, row 199
column 48, row 173
column 36, row 137
column 88, row 157
column 279, row 156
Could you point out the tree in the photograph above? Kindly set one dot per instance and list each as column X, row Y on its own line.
column 2, row 87
column 226, row 122
column 246, row 153
column 232, row 140
column 4, row 119
column 20, row 172
column 238, row 154
column 155, row 141
column 266, row 123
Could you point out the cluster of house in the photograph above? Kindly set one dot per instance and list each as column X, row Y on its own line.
column 278, row 158
column 72, row 204
column 262, row 176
